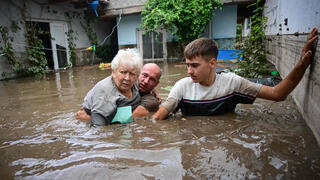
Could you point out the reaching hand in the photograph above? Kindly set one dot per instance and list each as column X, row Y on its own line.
column 307, row 50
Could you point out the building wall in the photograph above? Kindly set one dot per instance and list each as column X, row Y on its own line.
column 287, row 41
column 224, row 25
column 41, row 11
column 127, row 29
column 291, row 16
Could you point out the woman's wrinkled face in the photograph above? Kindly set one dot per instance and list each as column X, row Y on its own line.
column 124, row 77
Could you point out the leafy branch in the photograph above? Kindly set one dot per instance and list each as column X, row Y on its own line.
column 252, row 48
column 185, row 18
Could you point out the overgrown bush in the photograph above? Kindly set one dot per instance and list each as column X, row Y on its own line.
column 36, row 56
column 253, row 52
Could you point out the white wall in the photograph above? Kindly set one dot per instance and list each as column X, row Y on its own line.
column 302, row 16
column 127, row 29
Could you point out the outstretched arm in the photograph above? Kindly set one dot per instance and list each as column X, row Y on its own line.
column 161, row 114
column 287, row 85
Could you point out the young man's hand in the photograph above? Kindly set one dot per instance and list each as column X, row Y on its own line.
column 308, row 49
column 286, row 86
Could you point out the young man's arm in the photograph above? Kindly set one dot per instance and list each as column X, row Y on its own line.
column 161, row 114
column 286, row 86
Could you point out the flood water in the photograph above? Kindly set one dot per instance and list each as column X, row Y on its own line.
column 41, row 139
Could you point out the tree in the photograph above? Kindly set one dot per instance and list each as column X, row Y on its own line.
column 185, row 18
column 253, row 52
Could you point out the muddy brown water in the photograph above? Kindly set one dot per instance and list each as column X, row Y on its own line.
column 41, row 139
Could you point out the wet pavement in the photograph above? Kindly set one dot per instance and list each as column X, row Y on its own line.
column 41, row 139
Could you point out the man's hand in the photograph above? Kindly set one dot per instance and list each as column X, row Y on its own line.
column 154, row 91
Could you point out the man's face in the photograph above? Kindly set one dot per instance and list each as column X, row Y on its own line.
column 148, row 78
column 200, row 69
column 124, row 78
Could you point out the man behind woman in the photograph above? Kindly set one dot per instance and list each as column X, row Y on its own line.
column 121, row 89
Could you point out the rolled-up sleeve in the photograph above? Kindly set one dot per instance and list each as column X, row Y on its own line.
column 170, row 104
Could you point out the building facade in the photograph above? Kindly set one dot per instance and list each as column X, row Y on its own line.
column 62, row 25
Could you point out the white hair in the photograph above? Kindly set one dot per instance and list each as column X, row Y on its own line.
column 127, row 57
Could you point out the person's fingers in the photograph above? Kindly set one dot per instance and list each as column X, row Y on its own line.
column 314, row 32
column 306, row 58
column 313, row 39
column 308, row 45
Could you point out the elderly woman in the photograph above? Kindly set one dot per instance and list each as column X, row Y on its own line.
column 117, row 90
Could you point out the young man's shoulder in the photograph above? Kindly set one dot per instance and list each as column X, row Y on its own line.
column 228, row 75
column 185, row 81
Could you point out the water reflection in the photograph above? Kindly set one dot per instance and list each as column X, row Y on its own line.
column 41, row 139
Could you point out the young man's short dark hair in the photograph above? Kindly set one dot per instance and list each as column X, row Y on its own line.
column 204, row 47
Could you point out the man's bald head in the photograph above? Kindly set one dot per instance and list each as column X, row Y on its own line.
column 149, row 77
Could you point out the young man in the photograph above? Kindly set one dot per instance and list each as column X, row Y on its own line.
column 207, row 93
column 148, row 79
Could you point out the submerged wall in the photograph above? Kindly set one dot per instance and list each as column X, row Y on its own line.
column 288, row 30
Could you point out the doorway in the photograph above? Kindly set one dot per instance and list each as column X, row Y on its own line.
column 54, row 39
column 152, row 46
column 59, row 44
column 42, row 30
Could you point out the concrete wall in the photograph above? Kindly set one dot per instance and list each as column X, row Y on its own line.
column 224, row 25
column 123, row 7
column 287, row 41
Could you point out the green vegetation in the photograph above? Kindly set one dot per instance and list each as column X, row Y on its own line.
column 93, row 38
column 36, row 61
column 253, row 53
column 71, row 45
column 106, row 52
column 6, row 50
column 36, row 57
column 185, row 18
